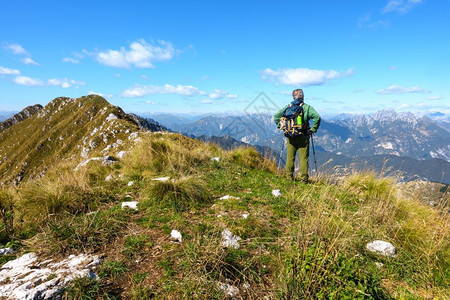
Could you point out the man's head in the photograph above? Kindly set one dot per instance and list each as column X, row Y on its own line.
column 297, row 94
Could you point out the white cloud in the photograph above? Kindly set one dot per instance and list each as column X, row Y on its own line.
column 100, row 94
column 29, row 61
column 70, row 60
column 400, row 6
column 183, row 90
column 303, row 76
column 6, row 71
column 366, row 21
column 434, row 98
column 28, row 81
column 219, row 94
column 16, row 49
column 141, row 55
column 396, row 89
column 65, row 83
column 150, row 102
column 206, row 101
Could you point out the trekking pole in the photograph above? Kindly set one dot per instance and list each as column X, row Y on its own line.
column 279, row 159
column 314, row 152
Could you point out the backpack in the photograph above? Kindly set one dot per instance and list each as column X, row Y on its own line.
column 292, row 121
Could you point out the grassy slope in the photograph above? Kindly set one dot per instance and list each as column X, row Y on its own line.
column 308, row 243
column 57, row 133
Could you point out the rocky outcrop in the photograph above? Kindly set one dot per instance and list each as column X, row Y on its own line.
column 29, row 277
column 147, row 124
column 19, row 117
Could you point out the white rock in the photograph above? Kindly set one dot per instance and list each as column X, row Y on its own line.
column 111, row 116
column 245, row 216
column 25, row 277
column 215, row 158
column 109, row 177
column 276, row 193
column 228, row 289
column 161, row 179
column 121, row 154
column 229, row 239
column 130, row 183
column 226, row 197
column 130, row 204
column 382, row 247
column 176, row 235
column 379, row 265
column 5, row 251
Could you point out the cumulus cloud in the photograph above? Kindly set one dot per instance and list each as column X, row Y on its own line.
column 28, row 81
column 219, row 94
column 396, row 89
column 400, row 6
column 15, row 48
column 64, row 83
column 6, row 71
column 100, row 94
column 70, row 60
column 140, row 55
column 434, row 98
column 206, row 101
column 303, row 76
column 29, row 61
column 183, row 90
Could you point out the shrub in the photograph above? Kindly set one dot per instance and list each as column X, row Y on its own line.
column 6, row 216
column 180, row 194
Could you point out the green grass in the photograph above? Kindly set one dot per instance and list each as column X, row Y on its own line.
column 307, row 244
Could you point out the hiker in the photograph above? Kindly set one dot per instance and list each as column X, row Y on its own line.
column 293, row 119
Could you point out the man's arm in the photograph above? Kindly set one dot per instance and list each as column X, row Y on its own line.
column 312, row 114
column 278, row 115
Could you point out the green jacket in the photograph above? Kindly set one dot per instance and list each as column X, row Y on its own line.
column 308, row 113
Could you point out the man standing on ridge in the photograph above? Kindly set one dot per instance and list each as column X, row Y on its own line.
column 294, row 120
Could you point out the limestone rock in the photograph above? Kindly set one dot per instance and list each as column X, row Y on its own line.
column 226, row 197
column 382, row 247
column 5, row 251
column 28, row 278
column 130, row 204
column 229, row 290
column 230, row 240
column 276, row 193
column 176, row 236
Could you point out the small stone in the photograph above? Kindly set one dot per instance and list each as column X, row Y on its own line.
column 130, row 183
column 215, row 158
column 245, row 216
column 276, row 193
column 228, row 289
column 226, row 197
column 176, row 236
column 379, row 265
column 111, row 116
column 5, row 251
column 109, row 177
column 230, row 240
column 381, row 247
column 121, row 154
column 130, row 204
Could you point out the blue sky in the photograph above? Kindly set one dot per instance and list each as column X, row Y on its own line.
column 349, row 56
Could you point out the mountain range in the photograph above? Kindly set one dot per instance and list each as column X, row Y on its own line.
column 417, row 147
